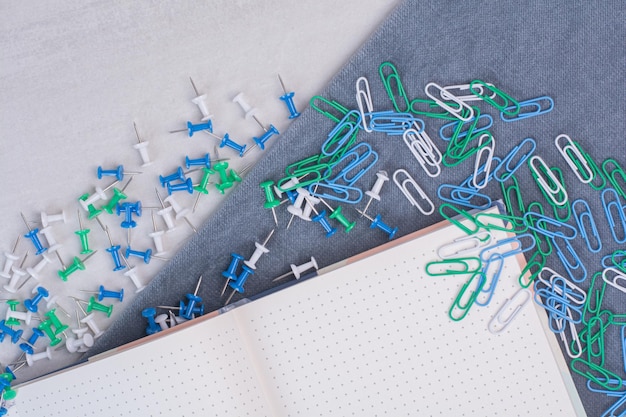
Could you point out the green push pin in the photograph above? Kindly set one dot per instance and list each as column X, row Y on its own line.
column 225, row 182
column 58, row 325
column 9, row 394
column 94, row 305
column 118, row 195
column 82, row 234
column 12, row 321
column 202, row 188
column 270, row 199
column 46, row 327
column 77, row 264
column 338, row 215
column 93, row 211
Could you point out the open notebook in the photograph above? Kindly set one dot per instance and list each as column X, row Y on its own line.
column 371, row 336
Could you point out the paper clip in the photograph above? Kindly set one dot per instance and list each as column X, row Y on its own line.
column 392, row 123
column 597, row 374
column 551, row 191
column 464, row 245
column 479, row 279
column 461, row 137
column 620, row 264
column 616, row 276
column 364, row 101
column 336, row 192
column 459, row 195
column 536, row 261
column 529, row 108
column 539, row 237
column 570, row 266
column 617, row 409
column 612, row 176
column 564, row 212
column 313, row 173
column 453, row 110
column 517, row 246
column 358, row 167
column 540, row 223
column 595, row 169
column 623, row 340
column 511, row 307
column 474, row 126
column 503, row 222
column 424, row 150
column 453, row 266
column 334, row 111
column 342, row 134
column 594, row 297
column 574, row 158
column 595, row 339
column 483, row 168
column 501, row 101
column 391, row 80
column 454, row 219
column 450, row 90
column 591, row 388
column 573, row 294
column 511, row 156
column 404, row 187
column 430, row 106
column 495, row 263
column 513, row 197
column 459, row 153
column 585, row 222
column 615, row 204
column 575, row 343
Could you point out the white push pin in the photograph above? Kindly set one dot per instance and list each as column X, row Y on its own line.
column 35, row 271
column 46, row 354
column 260, row 250
column 161, row 320
column 374, row 193
column 309, row 207
column 132, row 274
column 53, row 245
column 181, row 212
column 296, row 208
column 142, row 147
column 99, row 194
column 248, row 109
column 18, row 273
column 157, row 238
column 293, row 181
column 89, row 320
column 298, row 270
column 46, row 218
column 200, row 101
column 10, row 259
column 25, row 316
column 84, row 339
column 166, row 214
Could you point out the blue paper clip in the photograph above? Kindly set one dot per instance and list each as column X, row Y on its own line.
column 337, row 137
column 563, row 230
column 516, row 241
column 599, row 375
column 342, row 193
column 506, row 161
column 358, row 167
column 485, row 119
column 609, row 205
column 457, row 198
column 491, row 279
column 393, row 123
column 529, row 108
column 609, row 393
column 585, row 222
column 573, row 265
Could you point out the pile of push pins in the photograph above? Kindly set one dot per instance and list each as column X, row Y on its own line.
column 38, row 325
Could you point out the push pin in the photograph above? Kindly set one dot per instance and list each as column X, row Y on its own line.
column 250, row 112
column 77, row 264
column 149, row 313
column 157, row 237
column 128, row 209
column 83, row 340
column 200, row 101
column 47, row 219
column 59, row 327
column 226, row 180
column 32, row 304
column 11, row 257
column 145, row 255
column 53, row 245
column 193, row 128
column 34, row 237
column 89, row 320
column 118, row 195
column 82, row 234
column 296, row 207
column 35, row 271
column 177, row 175
column 116, row 172
column 94, row 305
column 270, row 199
column 180, row 211
column 322, row 220
column 132, row 274
column 191, row 308
column 309, row 207
column 226, row 141
column 104, row 293
column 46, row 354
column 161, row 320
column 237, row 285
column 204, row 161
column 114, row 251
column 186, row 185
column 287, row 98
column 18, row 273
column 14, row 318
column 12, row 308
column 260, row 250
column 202, row 188
column 231, row 273
column 92, row 211
column 142, row 147
column 29, row 346
column 374, row 193
column 297, row 271
column 166, row 213
column 14, row 335
column 99, row 194
column 260, row 142
column 338, row 215
column 378, row 223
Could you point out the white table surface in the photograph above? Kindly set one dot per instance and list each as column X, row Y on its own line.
column 75, row 75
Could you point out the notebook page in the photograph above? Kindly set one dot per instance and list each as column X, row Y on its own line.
column 198, row 370
column 374, row 338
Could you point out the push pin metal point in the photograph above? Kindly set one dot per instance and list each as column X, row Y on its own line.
column 142, row 147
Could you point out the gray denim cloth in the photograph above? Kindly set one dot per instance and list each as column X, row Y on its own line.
column 572, row 51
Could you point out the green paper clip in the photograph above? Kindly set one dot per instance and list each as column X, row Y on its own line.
column 500, row 100
column 453, row 218
column 454, row 266
column 395, row 90
column 334, row 111
column 479, row 279
column 534, row 265
column 544, row 246
column 513, row 197
column 612, row 176
column 430, row 104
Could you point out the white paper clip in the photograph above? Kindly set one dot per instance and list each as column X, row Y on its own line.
column 569, row 151
column 404, row 188
column 452, row 91
column 574, row 334
column 465, row 244
column 483, row 167
column 456, row 112
column 509, row 310
column 551, row 192
column 617, row 276
column 363, row 96
column 424, row 150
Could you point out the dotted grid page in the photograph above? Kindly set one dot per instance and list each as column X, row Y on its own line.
column 197, row 371
column 374, row 338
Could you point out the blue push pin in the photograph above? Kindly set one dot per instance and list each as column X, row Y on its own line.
column 104, row 293
column 177, row 175
column 265, row 137
column 28, row 346
column 34, row 237
column 191, row 128
column 321, row 219
column 186, row 185
column 114, row 251
column 149, row 314
column 199, row 162
column 13, row 334
column 237, row 286
column 32, row 304
column 228, row 142
column 191, row 307
column 117, row 172
column 288, row 99
column 378, row 223
column 146, row 255
column 231, row 272
column 129, row 209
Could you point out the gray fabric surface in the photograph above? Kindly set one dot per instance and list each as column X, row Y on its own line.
column 571, row 51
